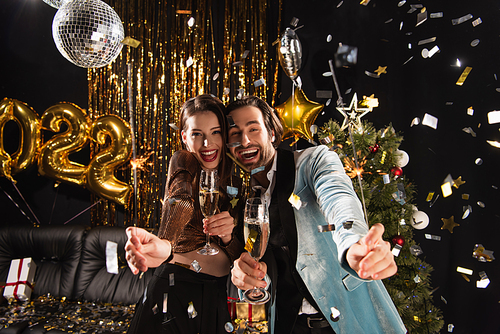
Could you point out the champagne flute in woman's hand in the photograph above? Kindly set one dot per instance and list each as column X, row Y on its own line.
column 256, row 234
column 209, row 196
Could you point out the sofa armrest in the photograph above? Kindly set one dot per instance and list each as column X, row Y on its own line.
column 55, row 249
column 94, row 283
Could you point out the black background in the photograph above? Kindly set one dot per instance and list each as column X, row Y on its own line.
column 33, row 71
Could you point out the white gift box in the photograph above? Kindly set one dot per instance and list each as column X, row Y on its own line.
column 19, row 283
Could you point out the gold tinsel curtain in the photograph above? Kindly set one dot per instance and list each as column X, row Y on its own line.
column 225, row 52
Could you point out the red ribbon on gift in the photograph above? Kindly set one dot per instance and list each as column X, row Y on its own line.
column 250, row 312
column 231, row 305
column 16, row 284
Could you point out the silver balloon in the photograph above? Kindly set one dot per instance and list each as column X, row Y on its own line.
column 88, row 32
column 55, row 3
column 290, row 53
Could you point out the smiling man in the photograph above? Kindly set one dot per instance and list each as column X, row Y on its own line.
column 321, row 282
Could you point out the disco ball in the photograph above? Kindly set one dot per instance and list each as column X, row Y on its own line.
column 88, row 33
column 55, row 3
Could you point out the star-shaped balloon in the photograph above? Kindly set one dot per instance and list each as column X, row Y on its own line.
column 449, row 223
column 297, row 115
column 353, row 114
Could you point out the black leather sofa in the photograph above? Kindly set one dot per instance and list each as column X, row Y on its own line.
column 71, row 280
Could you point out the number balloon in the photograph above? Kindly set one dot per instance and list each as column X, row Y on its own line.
column 100, row 176
column 53, row 160
column 28, row 123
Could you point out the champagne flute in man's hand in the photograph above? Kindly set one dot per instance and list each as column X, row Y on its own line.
column 256, row 234
column 209, row 196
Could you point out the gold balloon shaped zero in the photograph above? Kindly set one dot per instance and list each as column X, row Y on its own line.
column 53, row 160
column 100, row 175
column 29, row 136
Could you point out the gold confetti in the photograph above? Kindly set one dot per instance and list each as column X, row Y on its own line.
column 463, row 76
column 458, row 182
column 429, row 196
column 381, row 70
column 131, row 42
column 449, row 223
column 465, row 196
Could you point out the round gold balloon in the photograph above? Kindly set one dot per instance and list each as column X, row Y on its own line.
column 297, row 115
column 53, row 160
column 100, row 176
column 29, row 138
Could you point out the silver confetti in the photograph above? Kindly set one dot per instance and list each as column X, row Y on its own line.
column 433, row 237
column 326, row 228
column 189, row 62
column 174, row 126
column 469, row 131
column 196, row 266
column 372, row 75
column 474, row 43
column 416, row 250
column 427, row 40
column 294, row 22
column 171, row 279
column 461, row 20
column 216, row 76
column 259, row 82
column 328, row 38
column 401, row 3
column 245, row 54
column 467, row 211
column 477, row 22
column 436, row 15
column 478, row 161
column 481, row 204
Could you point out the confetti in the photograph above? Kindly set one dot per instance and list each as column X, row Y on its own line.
column 238, row 63
column 494, row 117
column 484, row 281
column 196, row 266
column 429, row 196
column 408, row 60
column 433, row 51
column 191, row 311
column 463, row 76
column 465, row 277
column 334, row 314
column 171, row 279
column 294, row 22
column 469, row 131
column 481, row 254
column 245, row 54
column 174, row 126
column 347, row 224
column 328, row 38
column 372, row 75
column 421, row 17
column 493, row 143
column 111, row 257
column 464, row 271
column 461, row 20
column 395, row 251
column 327, row 74
column 364, row 2
column 465, row 196
column 216, row 76
column 481, row 204
column 401, row 3
column 467, row 210
column 446, row 189
column 259, row 82
column 430, row 121
column 415, row 121
column 458, row 182
column 470, row 110
column 190, row 22
column 295, row 201
column 450, row 328
column 428, row 40
column 434, row 201
column 189, row 62
column 477, row 22
column 326, row 228
column 417, row 279
column 129, row 41
column 381, row 70
column 474, row 43
column 165, row 302
column 433, row 237
column 478, row 161
column 436, row 15
column 386, row 178
column 444, row 300
column 449, row 224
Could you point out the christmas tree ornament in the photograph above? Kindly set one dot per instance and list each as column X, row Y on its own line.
column 396, row 171
column 297, row 115
column 419, row 220
column 88, row 33
column 401, row 158
column 416, row 250
column 374, row 148
column 353, row 114
column 398, row 240
column 449, row 223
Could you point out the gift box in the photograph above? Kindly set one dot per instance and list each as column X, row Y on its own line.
column 19, row 283
column 231, row 306
column 252, row 313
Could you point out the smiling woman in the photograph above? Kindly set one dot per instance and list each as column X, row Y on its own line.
column 185, row 279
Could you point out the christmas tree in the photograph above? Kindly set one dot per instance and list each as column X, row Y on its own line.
column 387, row 195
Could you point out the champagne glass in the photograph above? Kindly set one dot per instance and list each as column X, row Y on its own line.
column 256, row 234
column 209, row 196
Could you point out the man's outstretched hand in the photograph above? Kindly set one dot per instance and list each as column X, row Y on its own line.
column 371, row 256
column 145, row 250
